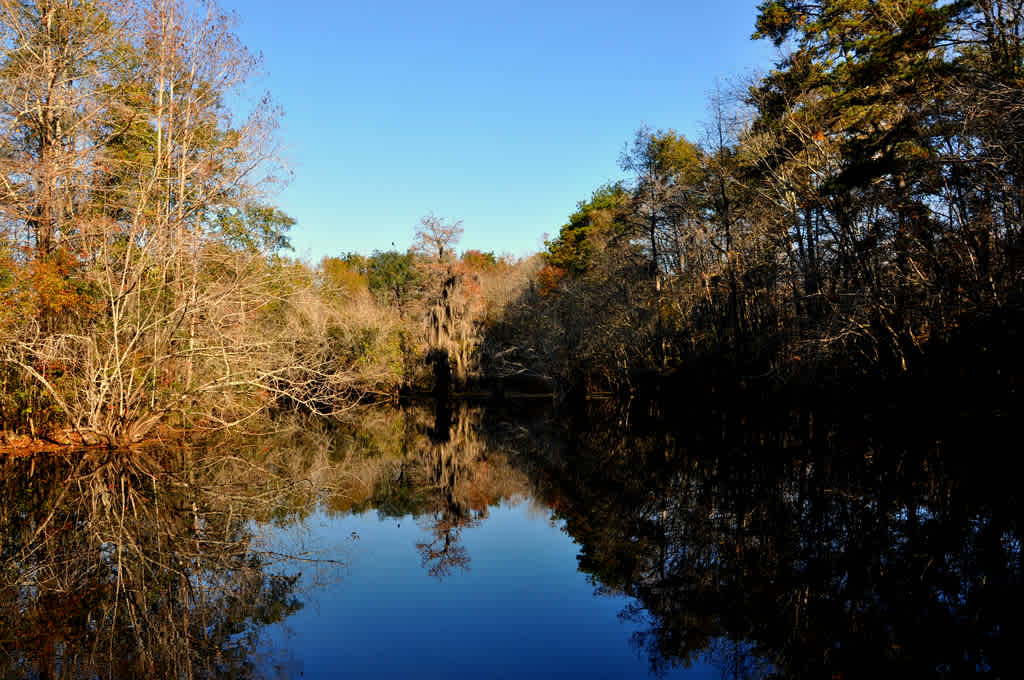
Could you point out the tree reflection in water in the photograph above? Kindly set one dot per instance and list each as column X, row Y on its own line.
column 448, row 459
column 152, row 563
column 765, row 541
column 446, row 475
column 774, row 545
column 120, row 564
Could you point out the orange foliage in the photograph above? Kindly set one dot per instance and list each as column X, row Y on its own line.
column 472, row 288
column 549, row 278
column 45, row 289
column 58, row 288
column 479, row 261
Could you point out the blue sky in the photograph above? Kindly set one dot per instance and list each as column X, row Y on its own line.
column 501, row 114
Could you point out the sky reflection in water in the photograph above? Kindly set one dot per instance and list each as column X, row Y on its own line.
column 521, row 609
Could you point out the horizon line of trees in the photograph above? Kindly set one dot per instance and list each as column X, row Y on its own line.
column 858, row 207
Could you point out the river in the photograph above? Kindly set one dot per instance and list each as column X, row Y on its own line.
column 615, row 540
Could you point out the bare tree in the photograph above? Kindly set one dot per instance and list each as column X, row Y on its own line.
column 437, row 236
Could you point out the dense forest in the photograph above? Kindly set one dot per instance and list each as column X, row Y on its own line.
column 854, row 212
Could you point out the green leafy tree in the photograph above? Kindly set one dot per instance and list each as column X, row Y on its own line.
column 255, row 227
column 392, row 275
column 598, row 219
column 859, row 111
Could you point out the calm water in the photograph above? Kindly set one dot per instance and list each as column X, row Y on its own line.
column 625, row 540
column 517, row 608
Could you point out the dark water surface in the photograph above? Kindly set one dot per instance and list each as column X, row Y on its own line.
column 622, row 540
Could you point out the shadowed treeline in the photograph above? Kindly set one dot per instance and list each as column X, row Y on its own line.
column 857, row 210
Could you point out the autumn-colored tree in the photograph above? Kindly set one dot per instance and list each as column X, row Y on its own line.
column 144, row 257
column 479, row 260
column 342, row 278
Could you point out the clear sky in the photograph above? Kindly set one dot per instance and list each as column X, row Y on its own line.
column 500, row 113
